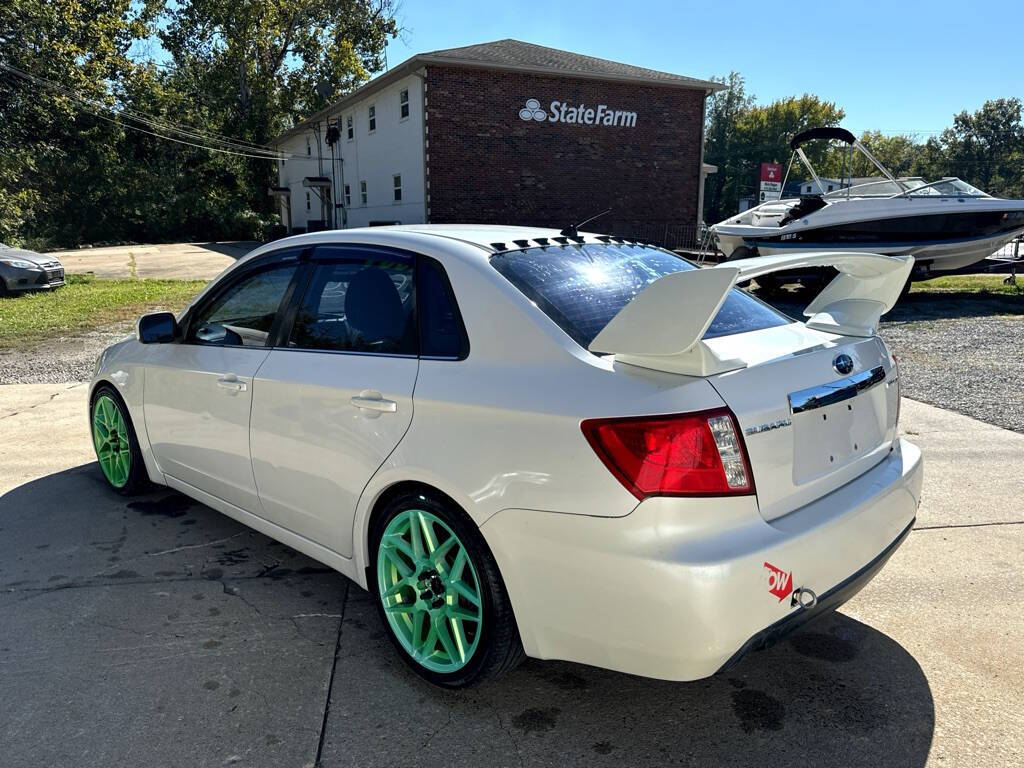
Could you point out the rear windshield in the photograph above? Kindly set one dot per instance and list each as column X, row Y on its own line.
column 582, row 287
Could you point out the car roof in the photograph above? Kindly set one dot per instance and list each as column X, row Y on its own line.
column 487, row 238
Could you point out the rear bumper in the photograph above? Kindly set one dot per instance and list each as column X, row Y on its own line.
column 826, row 603
column 681, row 588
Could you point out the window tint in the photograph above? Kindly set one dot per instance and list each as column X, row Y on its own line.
column 582, row 287
column 442, row 333
column 244, row 314
column 358, row 305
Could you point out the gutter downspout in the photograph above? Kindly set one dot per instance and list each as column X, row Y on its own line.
column 422, row 75
column 700, row 167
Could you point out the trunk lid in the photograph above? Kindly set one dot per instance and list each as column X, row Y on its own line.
column 811, row 421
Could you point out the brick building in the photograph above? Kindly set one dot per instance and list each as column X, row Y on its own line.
column 504, row 132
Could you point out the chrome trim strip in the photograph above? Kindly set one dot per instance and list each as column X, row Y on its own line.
column 835, row 392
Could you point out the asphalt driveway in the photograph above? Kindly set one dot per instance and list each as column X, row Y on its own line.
column 155, row 631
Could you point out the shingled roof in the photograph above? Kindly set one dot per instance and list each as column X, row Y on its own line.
column 515, row 56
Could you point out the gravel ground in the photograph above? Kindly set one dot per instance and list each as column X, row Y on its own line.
column 70, row 358
column 956, row 351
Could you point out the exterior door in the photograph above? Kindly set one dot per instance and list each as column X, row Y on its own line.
column 198, row 393
column 332, row 402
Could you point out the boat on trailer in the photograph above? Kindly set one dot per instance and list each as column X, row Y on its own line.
column 945, row 225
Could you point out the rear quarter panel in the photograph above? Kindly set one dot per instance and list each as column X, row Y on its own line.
column 501, row 429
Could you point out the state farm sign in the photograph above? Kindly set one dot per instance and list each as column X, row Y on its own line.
column 578, row 114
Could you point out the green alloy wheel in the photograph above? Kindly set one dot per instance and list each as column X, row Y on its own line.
column 110, row 435
column 440, row 592
column 430, row 591
column 114, row 439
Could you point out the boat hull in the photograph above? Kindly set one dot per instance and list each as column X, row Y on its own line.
column 940, row 242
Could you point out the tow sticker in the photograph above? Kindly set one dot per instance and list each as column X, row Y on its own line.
column 780, row 583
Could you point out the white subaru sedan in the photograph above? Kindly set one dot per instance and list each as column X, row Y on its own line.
column 526, row 442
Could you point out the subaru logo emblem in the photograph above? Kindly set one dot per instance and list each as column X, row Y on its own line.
column 843, row 364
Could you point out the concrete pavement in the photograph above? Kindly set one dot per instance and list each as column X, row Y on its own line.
column 172, row 261
column 156, row 631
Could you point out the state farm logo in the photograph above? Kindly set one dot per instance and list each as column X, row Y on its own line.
column 532, row 111
column 577, row 114
column 780, row 583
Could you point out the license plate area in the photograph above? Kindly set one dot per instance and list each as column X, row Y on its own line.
column 833, row 430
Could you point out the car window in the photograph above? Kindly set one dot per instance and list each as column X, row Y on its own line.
column 442, row 333
column 244, row 314
column 582, row 287
column 358, row 305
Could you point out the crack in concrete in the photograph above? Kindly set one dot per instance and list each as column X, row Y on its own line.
column 122, row 563
column 508, row 732
column 437, row 731
column 50, row 399
column 317, row 762
column 967, row 525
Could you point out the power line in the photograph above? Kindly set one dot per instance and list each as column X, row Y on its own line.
column 226, row 145
column 235, row 145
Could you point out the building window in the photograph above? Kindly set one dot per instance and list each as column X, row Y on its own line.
column 373, row 118
column 403, row 103
column 307, row 201
column 309, row 148
column 362, row 192
column 349, row 130
column 397, row 179
column 348, row 195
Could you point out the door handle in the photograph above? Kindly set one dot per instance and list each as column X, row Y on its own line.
column 231, row 383
column 378, row 404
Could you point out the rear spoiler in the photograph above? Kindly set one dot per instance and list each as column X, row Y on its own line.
column 663, row 327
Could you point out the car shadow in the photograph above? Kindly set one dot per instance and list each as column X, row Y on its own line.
column 838, row 692
column 235, row 249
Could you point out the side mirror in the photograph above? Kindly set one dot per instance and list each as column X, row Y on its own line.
column 158, row 328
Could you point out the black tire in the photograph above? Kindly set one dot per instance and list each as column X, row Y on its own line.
column 499, row 649
column 138, row 480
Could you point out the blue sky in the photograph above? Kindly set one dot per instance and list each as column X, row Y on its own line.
column 901, row 66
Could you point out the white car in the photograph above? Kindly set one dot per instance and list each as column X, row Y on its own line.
column 567, row 446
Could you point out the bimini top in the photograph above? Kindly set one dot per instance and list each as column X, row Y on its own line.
column 821, row 133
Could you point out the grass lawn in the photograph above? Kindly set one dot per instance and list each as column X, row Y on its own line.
column 969, row 284
column 84, row 303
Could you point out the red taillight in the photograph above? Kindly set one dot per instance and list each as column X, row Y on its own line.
column 694, row 454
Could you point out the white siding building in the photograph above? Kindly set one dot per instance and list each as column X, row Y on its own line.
column 375, row 166
column 465, row 134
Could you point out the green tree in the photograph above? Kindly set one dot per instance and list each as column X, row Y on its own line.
column 742, row 135
column 47, row 142
column 900, row 154
column 724, row 109
column 251, row 68
column 985, row 148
